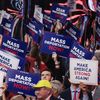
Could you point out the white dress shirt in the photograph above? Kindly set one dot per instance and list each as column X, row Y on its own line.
column 77, row 92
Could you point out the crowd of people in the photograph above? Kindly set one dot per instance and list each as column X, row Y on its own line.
column 54, row 71
column 55, row 79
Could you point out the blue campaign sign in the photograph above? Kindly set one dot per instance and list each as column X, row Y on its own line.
column 14, row 46
column 33, row 31
column 21, row 82
column 53, row 42
column 72, row 30
column 59, row 12
column 47, row 21
column 77, row 51
column 38, row 25
column 7, row 24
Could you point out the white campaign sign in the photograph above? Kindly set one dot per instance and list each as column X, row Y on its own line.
column 8, row 60
column 85, row 71
column 38, row 14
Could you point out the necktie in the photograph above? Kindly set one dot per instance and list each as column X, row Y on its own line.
column 75, row 95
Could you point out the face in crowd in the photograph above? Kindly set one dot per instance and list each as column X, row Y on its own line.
column 42, row 93
column 43, row 90
column 46, row 75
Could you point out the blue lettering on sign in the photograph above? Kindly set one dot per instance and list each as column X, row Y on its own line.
column 83, row 69
column 82, row 65
column 5, row 61
column 82, row 78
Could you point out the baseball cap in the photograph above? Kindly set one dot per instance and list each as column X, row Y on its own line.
column 43, row 83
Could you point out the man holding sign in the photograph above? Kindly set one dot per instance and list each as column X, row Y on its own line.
column 82, row 74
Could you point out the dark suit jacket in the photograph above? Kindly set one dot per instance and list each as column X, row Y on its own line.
column 53, row 98
column 66, row 95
